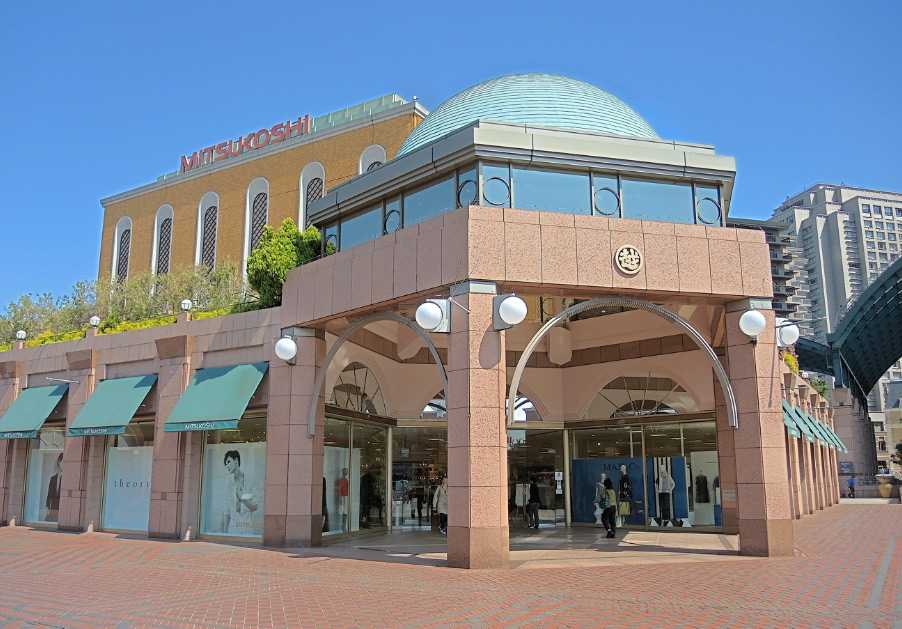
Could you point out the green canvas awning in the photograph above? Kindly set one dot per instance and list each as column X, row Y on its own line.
column 801, row 422
column 790, row 421
column 112, row 406
column 820, row 431
column 216, row 398
column 31, row 409
column 839, row 442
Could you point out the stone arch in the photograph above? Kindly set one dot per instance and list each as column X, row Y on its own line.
column 348, row 333
column 637, row 304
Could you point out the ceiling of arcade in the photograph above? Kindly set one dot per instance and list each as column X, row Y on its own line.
column 615, row 363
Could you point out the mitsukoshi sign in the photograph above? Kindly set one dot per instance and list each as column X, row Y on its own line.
column 250, row 142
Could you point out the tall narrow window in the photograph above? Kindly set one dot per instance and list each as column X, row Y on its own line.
column 122, row 245
column 125, row 241
column 207, row 222
column 372, row 158
column 208, row 242
column 256, row 215
column 162, row 244
column 311, row 187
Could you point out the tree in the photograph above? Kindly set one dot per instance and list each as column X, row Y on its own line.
column 279, row 251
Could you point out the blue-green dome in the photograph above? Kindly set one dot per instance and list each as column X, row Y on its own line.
column 542, row 100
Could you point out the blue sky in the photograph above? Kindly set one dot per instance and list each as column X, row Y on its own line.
column 100, row 97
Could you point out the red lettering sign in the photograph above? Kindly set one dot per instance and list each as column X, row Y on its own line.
column 250, row 142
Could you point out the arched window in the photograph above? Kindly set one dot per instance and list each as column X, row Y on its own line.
column 207, row 222
column 524, row 409
column 256, row 215
column 122, row 245
column 372, row 158
column 312, row 187
column 638, row 396
column 358, row 390
column 161, row 256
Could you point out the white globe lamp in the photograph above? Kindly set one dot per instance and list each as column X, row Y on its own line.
column 752, row 323
column 429, row 316
column 186, row 305
column 21, row 335
column 286, row 349
column 94, row 321
column 512, row 310
column 787, row 332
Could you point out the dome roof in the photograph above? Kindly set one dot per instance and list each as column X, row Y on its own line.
column 543, row 100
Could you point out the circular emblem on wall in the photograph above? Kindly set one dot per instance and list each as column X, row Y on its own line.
column 628, row 259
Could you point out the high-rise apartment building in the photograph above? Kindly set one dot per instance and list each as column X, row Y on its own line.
column 847, row 236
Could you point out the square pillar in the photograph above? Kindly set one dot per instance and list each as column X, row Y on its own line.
column 726, row 460
column 762, row 479
column 294, row 458
column 167, row 473
column 478, row 534
column 12, row 459
column 74, row 490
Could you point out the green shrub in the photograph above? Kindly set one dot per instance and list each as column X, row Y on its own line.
column 279, row 251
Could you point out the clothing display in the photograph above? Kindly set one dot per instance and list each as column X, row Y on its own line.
column 701, row 489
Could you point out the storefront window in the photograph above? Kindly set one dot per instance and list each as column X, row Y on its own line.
column 353, row 477
column 551, row 191
column 336, row 476
column 45, row 476
column 657, row 201
column 362, row 227
column 420, row 462
column 536, row 456
column 430, row 201
column 602, row 455
column 700, row 448
column 370, row 442
column 126, row 498
column 234, row 473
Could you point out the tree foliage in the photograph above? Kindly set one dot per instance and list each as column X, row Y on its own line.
column 279, row 251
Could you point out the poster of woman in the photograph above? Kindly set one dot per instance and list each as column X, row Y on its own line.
column 233, row 489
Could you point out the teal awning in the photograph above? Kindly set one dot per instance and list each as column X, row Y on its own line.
column 839, row 442
column 790, row 421
column 801, row 422
column 216, row 398
column 112, row 406
column 31, row 409
column 820, row 431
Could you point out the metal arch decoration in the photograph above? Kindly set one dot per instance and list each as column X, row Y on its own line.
column 351, row 329
column 637, row 304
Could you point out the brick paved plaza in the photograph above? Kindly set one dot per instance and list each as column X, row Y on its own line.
column 847, row 572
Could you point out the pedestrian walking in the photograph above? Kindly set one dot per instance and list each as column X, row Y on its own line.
column 440, row 505
column 532, row 506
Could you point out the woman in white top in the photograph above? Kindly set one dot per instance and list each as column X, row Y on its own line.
column 440, row 505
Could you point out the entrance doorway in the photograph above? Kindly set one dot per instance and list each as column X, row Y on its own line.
column 419, row 463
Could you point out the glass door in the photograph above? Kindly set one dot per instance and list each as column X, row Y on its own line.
column 535, row 464
column 419, row 463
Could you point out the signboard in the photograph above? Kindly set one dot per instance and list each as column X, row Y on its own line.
column 846, row 467
column 250, row 142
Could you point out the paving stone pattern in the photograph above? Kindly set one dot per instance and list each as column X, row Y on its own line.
column 847, row 572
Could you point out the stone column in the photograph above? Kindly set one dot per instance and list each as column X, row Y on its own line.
column 726, row 459
column 765, row 522
column 294, row 459
column 477, row 435
column 167, row 475
column 77, row 457
column 12, row 459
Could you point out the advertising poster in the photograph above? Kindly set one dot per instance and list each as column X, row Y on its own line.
column 234, row 474
column 45, row 476
column 587, row 474
column 126, row 504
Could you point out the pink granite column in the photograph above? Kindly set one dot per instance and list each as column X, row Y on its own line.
column 765, row 521
column 166, row 481
column 726, row 460
column 12, row 461
column 294, row 459
column 77, row 457
column 477, row 435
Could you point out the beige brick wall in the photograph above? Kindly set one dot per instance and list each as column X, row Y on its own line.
column 338, row 154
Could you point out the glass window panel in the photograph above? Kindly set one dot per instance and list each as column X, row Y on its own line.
column 657, row 201
column 707, row 204
column 126, row 499
column 233, row 478
column 362, row 227
column 899, row 211
column 368, row 466
column 44, row 476
column 551, row 191
column 392, row 215
column 535, row 456
column 605, row 194
column 703, row 474
column 330, row 239
column 428, row 202
column 467, row 187
column 496, row 188
column 878, row 224
column 419, row 463
column 336, row 476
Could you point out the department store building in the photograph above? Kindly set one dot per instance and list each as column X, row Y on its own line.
column 526, row 285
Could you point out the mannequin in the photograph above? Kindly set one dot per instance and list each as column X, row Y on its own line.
column 665, row 487
column 599, row 492
column 624, row 496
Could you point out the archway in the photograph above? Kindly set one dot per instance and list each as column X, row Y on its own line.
column 636, row 304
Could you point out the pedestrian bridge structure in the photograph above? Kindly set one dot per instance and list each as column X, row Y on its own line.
column 867, row 340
